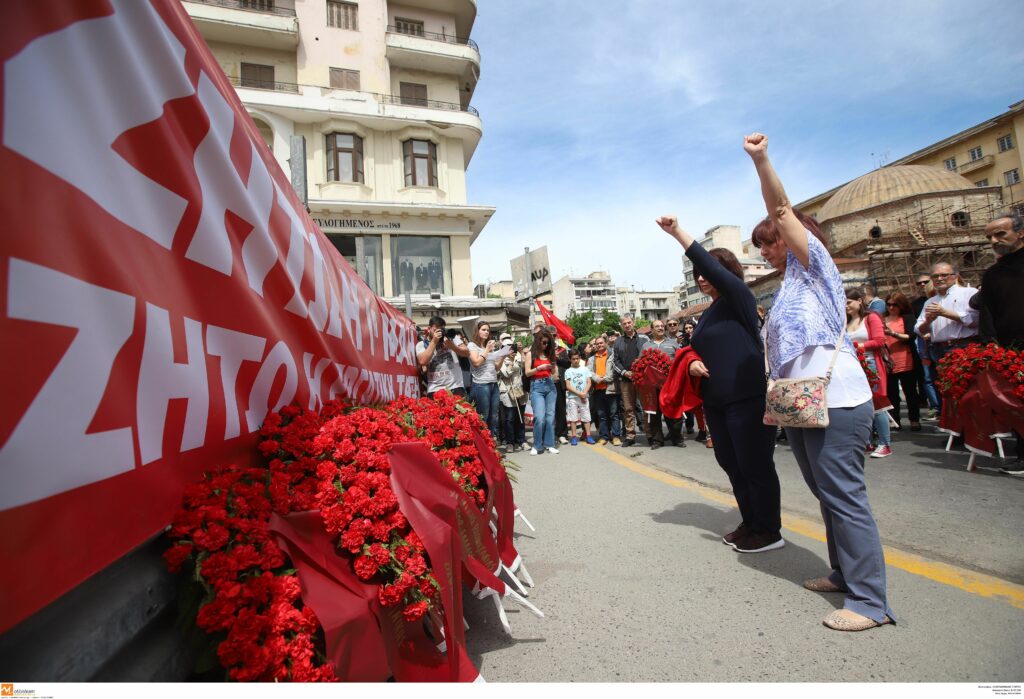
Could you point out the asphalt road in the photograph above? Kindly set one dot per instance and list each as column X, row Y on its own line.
column 637, row 586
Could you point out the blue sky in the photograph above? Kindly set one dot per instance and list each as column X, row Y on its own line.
column 600, row 116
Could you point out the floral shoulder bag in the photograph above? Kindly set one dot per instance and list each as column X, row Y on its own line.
column 799, row 402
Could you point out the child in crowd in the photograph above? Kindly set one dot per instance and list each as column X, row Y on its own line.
column 577, row 408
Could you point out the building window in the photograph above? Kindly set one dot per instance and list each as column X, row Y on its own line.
column 960, row 219
column 421, row 265
column 981, row 183
column 343, row 15
column 1012, row 176
column 413, row 93
column 344, row 79
column 411, row 27
column 1005, row 142
column 261, row 5
column 975, row 153
column 344, row 157
column 258, row 76
column 363, row 253
column 420, row 163
column 950, row 164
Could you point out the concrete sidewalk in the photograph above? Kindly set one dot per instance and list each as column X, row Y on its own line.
column 637, row 586
column 924, row 500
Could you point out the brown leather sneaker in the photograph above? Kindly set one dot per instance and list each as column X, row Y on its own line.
column 822, row 585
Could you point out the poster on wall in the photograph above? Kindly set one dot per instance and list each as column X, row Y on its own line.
column 161, row 288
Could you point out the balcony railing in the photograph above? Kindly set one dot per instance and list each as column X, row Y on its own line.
column 254, row 84
column 263, row 6
column 416, row 102
column 433, row 36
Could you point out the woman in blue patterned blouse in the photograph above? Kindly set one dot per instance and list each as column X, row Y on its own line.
column 806, row 323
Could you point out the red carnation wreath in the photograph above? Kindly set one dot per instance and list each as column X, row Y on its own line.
column 334, row 461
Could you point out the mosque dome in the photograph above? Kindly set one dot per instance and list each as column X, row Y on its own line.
column 890, row 184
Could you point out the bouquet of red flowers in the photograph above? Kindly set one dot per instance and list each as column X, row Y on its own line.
column 650, row 371
column 958, row 368
column 873, row 380
column 336, row 462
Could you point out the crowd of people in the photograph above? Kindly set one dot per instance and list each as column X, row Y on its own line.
column 571, row 394
column 862, row 351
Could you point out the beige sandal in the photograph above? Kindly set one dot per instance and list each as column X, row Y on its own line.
column 845, row 620
column 822, row 585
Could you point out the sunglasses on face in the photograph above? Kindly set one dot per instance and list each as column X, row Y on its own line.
column 924, row 283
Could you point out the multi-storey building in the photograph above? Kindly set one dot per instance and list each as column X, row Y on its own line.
column 593, row 293
column 381, row 92
column 728, row 237
column 647, row 305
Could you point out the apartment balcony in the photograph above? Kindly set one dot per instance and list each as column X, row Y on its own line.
column 312, row 103
column 437, row 53
column 463, row 11
column 265, row 23
column 980, row 163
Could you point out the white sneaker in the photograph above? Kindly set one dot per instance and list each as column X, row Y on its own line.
column 552, row 450
column 524, row 445
column 533, row 452
column 563, row 440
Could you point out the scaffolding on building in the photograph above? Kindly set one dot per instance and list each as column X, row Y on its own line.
column 909, row 244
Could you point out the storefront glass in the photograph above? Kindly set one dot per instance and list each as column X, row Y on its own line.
column 421, row 265
column 364, row 253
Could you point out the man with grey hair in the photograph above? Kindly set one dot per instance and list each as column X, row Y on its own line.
column 947, row 317
column 626, row 351
column 999, row 301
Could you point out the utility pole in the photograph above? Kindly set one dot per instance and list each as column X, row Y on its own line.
column 529, row 285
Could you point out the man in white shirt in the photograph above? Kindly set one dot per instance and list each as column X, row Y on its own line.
column 947, row 319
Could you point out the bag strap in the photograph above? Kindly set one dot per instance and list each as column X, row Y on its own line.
column 831, row 365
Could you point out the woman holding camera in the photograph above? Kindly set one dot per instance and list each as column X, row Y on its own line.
column 484, row 387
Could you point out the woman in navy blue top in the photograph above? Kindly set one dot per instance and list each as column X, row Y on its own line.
column 733, row 389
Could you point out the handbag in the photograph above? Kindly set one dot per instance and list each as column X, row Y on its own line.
column 799, row 402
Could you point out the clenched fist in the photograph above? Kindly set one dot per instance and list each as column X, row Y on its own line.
column 756, row 145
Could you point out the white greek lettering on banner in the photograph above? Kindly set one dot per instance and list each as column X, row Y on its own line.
column 62, row 410
column 126, row 67
column 161, row 379
column 233, row 348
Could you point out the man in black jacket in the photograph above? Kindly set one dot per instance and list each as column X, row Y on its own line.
column 999, row 301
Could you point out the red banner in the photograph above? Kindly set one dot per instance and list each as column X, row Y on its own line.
column 161, row 288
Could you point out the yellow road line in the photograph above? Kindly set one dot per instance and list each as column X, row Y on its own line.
column 966, row 580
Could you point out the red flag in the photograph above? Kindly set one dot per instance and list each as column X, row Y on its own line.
column 681, row 392
column 564, row 331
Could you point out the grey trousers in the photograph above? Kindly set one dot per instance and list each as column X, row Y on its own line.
column 832, row 463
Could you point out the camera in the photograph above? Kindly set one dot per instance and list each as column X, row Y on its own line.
column 515, row 346
column 450, row 333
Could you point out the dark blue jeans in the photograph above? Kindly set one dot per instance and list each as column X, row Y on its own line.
column 606, row 407
column 543, row 396
column 485, row 396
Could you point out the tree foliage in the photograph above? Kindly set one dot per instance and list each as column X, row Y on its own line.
column 586, row 326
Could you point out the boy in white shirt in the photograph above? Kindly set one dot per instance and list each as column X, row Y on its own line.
column 577, row 407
